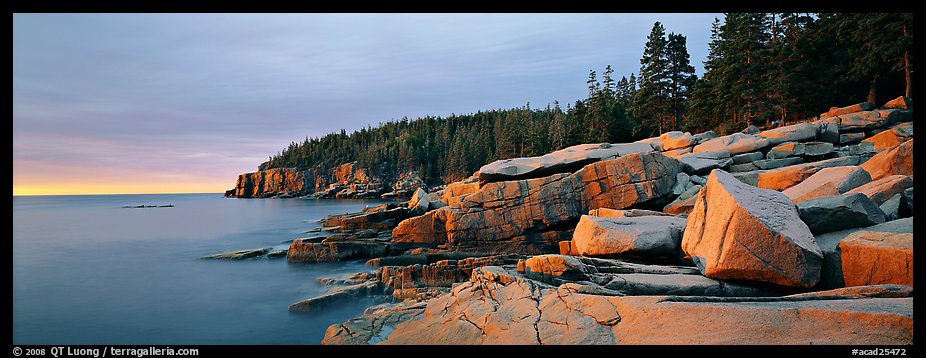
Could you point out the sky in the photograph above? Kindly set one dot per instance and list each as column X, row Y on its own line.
column 183, row 103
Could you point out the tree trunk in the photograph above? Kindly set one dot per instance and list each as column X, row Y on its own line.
column 873, row 90
column 906, row 68
column 907, row 74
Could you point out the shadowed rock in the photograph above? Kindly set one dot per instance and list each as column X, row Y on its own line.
column 703, row 162
column 839, row 212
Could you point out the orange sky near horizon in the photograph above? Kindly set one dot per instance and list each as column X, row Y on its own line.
column 33, row 178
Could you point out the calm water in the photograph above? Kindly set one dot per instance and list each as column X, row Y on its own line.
column 87, row 271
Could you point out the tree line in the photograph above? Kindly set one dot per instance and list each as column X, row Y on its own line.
column 761, row 68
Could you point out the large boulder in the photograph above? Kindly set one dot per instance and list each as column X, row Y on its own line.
column 839, row 212
column 792, row 133
column 419, row 201
column 883, row 189
column 786, row 177
column 658, row 236
column 897, row 160
column 564, row 160
column 734, row 143
column 737, row 231
column 512, row 215
column 873, row 258
column 826, row 182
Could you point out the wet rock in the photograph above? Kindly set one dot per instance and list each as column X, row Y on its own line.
column 883, row 189
column 338, row 295
column 657, row 236
column 839, row 212
column 826, row 182
column 737, row 231
column 872, row 258
column 894, row 161
column 275, row 254
column 239, row 255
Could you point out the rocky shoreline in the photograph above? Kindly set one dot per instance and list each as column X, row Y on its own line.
column 801, row 234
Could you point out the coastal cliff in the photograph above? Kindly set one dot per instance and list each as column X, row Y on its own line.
column 343, row 181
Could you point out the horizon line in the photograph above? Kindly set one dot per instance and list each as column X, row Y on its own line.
column 88, row 194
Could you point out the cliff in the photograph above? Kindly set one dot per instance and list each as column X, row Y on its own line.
column 347, row 180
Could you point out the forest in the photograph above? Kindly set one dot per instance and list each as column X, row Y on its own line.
column 762, row 69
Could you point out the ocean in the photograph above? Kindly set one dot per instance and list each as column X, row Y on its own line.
column 86, row 270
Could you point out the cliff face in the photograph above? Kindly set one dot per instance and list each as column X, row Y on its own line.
column 347, row 180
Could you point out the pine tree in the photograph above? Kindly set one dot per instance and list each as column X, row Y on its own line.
column 681, row 76
column 651, row 103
